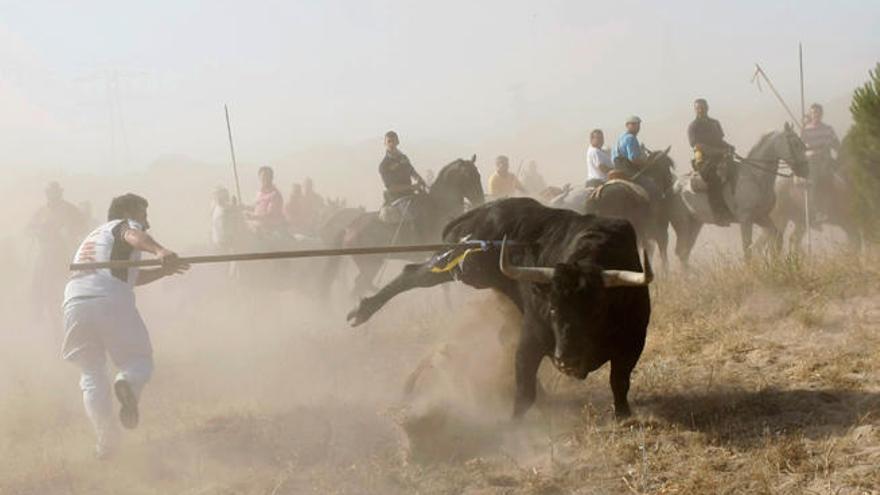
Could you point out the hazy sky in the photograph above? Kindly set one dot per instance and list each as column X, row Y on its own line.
column 113, row 85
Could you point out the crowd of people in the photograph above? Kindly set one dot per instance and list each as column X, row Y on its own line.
column 712, row 161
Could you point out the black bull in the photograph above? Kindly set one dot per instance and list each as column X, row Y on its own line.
column 578, row 283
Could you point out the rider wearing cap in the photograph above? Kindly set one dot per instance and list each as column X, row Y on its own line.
column 710, row 152
column 628, row 159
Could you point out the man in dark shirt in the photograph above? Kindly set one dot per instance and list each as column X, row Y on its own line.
column 397, row 172
column 710, row 151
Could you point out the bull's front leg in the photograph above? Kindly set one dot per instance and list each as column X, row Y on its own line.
column 413, row 276
column 529, row 354
column 621, row 370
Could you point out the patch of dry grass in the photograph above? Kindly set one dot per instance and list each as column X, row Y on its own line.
column 758, row 378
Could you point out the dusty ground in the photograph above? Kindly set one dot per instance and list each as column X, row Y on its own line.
column 756, row 379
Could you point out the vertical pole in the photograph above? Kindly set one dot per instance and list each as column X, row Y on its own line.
column 232, row 150
column 807, row 190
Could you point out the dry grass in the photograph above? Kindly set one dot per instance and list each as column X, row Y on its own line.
column 756, row 379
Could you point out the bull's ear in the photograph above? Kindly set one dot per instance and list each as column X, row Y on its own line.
column 666, row 151
column 474, row 158
column 787, row 126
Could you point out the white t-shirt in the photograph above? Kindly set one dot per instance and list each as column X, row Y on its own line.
column 595, row 157
column 105, row 243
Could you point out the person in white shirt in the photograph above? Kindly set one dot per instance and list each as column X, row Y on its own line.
column 100, row 317
column 598, row 160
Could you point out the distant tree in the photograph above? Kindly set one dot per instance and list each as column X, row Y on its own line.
column 861, row 148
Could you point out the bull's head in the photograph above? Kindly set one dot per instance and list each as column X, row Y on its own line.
column 575, row 298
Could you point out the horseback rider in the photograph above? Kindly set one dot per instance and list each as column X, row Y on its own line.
column 711, row 153
column 598, row 160
column 503, row 183
column 397, row 172
column 267, row 214
column 629, row 162
column 821, row 140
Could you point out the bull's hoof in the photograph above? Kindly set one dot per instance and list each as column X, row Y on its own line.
column 622, row 414
column 359, row 315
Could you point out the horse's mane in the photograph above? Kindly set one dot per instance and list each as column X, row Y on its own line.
column 763, row 141
column 447, row 169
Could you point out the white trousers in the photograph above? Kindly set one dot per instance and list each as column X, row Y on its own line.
column 98, row 326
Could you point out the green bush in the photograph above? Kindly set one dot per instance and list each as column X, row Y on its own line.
column 861, row 149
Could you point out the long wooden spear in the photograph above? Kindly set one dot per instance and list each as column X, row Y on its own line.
column 232, row 150
column 759, row 72
column 274, row 255
column 807, row 189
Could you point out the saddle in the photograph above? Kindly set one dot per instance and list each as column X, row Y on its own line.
column 399, row 211
column 618, row 180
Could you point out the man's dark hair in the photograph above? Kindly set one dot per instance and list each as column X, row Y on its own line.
column 124, row 205
column 392, row 134
column 267, row 169
column 817, row 106
column 701, row 100
column 596, row 132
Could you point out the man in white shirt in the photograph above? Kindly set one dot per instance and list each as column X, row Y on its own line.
column 100, row 317
column 598, row 160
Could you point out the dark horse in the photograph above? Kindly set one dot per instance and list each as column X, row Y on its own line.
column 429, row 212
column 620, row 199
column 648, row 216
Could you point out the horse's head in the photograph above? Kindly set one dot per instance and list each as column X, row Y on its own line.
column 661, row 168
column 460, row 180
column 793, row 151
column 783, row 145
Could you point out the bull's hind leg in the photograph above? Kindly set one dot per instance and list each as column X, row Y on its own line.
column 413, row 276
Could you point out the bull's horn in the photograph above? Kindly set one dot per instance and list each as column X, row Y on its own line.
column 626, row 278
column 538, row 275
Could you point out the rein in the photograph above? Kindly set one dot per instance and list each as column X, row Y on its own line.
column 756, row 165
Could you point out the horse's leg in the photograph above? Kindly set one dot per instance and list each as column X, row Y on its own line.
column 414, row 275
column 661, row 237
column 447, row 296
column 686, row 237
column 367, row 269
column 795, row 241
column 745, row 230
column 772, row 233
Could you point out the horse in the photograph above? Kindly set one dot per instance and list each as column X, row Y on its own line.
column 621, row 198
column 231, row 234
column 749, row 194
column 428, row 213
column 791, row 209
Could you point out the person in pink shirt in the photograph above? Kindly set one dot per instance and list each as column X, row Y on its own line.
column 267, row 215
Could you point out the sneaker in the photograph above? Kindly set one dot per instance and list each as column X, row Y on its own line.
column 104, row 451
column 128, row 414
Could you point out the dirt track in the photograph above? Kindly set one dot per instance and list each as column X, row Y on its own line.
column 763, row 380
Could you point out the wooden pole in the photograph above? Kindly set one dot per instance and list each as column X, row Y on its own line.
column 760, row 72
column 807, row 189
column 232, row 150
column 275, row 255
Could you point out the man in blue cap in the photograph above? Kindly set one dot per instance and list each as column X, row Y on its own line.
column 628, row 159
